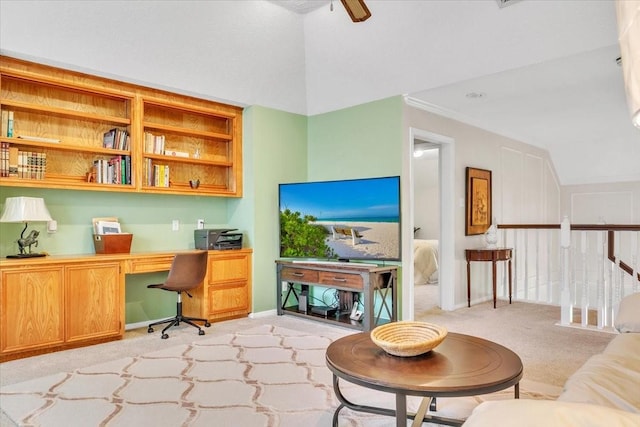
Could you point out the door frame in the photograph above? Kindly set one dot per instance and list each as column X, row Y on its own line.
column 446, row 245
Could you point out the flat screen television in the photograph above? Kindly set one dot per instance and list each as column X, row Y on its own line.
column 355, row 219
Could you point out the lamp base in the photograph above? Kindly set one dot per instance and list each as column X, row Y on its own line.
column 26, row 255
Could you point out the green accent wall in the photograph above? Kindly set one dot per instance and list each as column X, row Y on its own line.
column 357, row 142
column 275, row 151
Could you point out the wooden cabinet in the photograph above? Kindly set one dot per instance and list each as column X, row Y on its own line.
column 60, row 118
column 226, row 292
column 58, row 302
column 32, row 308
column 94, row 301
column 375, row 288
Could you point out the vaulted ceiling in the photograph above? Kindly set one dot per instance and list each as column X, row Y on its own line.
column 544, row 73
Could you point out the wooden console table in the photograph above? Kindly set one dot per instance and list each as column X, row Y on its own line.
column 352, row 277
column 488, row 254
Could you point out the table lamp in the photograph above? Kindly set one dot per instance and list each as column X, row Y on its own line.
column 25, row 209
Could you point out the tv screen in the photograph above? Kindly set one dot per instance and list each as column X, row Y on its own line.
column 355, row 219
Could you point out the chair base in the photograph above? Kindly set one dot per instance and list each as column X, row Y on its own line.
column 175, row 321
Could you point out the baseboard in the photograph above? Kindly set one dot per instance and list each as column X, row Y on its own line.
column 130, row 326
column 262, row 314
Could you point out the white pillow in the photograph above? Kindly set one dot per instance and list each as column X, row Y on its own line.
column 628, row 319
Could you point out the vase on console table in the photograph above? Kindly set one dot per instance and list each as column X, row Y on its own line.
column 491, row 236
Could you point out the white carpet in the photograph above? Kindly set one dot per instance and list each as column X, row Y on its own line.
column 264, row 376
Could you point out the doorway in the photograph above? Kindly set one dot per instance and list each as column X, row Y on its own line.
column 426, row 225
column 446, row 179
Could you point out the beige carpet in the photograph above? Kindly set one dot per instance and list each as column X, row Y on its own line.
column 550, row 353
column 262, row 376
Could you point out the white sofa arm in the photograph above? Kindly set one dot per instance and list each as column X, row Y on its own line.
column 548, row 413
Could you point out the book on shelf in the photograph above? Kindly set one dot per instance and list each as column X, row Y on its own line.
column 116, row 139
column 153, row 143
column 14, row 157
column 4, row 159
column 10, row 124
column 5, row 120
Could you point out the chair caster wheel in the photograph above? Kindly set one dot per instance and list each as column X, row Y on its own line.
column 150, row 330
column 164, row 336
column 207, row 324
column 200, row 332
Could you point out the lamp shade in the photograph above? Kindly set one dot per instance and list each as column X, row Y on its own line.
column 25, row 209
column 628, row 13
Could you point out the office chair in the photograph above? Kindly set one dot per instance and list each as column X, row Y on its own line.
column 187, row 272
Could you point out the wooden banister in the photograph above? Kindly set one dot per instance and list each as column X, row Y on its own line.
column 609, row 228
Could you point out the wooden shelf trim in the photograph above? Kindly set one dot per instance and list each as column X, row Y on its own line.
column 186, row 131
column 66, row 147
column 119, row 121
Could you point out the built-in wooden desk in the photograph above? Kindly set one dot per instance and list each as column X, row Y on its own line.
column 59, row 302
column 488, row 254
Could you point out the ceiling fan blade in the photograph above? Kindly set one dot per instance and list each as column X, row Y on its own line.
column 357, row 10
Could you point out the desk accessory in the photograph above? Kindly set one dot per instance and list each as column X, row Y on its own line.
column 25, row 209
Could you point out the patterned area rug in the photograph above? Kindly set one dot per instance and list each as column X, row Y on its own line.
column 265, row 376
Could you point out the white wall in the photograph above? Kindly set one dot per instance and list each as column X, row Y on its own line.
column 524, row 186
column 426, row 196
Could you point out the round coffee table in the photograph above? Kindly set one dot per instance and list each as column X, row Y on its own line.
column 462, row 365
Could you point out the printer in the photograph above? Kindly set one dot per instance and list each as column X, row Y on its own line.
column 220, row 239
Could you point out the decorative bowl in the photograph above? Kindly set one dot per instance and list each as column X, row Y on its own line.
column 408, row 338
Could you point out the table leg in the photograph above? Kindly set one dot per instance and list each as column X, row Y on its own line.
column 468, row 283
column 493, row 270
column 516, row 390
column 401, row 410
column 509, row 280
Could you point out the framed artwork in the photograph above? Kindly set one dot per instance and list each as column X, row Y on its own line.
column 478, row 201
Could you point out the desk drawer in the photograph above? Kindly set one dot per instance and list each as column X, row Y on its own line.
column 299, row 275
column 353, row 281
column 147, row 265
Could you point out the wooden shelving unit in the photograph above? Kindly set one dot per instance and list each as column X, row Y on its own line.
column 75, row 110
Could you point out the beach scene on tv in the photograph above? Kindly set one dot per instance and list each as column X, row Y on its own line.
column 352, row 219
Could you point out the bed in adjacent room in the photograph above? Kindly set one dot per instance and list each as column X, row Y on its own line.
column 425, row 261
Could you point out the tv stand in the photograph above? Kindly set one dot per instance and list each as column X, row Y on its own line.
column 366, row 279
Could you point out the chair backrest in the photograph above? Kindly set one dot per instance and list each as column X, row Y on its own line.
column 187, row 271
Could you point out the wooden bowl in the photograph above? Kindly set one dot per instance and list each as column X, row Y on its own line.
column 408, row 338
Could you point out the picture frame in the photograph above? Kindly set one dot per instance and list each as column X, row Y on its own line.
column 478, row 201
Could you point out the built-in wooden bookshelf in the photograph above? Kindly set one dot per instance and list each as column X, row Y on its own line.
column 64, row 115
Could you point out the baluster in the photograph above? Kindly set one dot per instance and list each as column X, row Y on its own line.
column 566, row 315
column 635, row 261
column 537, row 255
column 600, row 280
column 515, row 264
column 550, row 290
column 585, row 295
column 526, row 264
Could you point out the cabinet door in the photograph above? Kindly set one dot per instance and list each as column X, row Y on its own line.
column 229, row 285
column 94, row 304
column 32, row 308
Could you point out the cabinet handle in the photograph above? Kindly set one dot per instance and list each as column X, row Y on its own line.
column 339, row 279
column 295, row 273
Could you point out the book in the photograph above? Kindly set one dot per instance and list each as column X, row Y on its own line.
column 10, row 124
column 175, row 153
column 109, row 138
column 14, row 159
column 5, row 120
